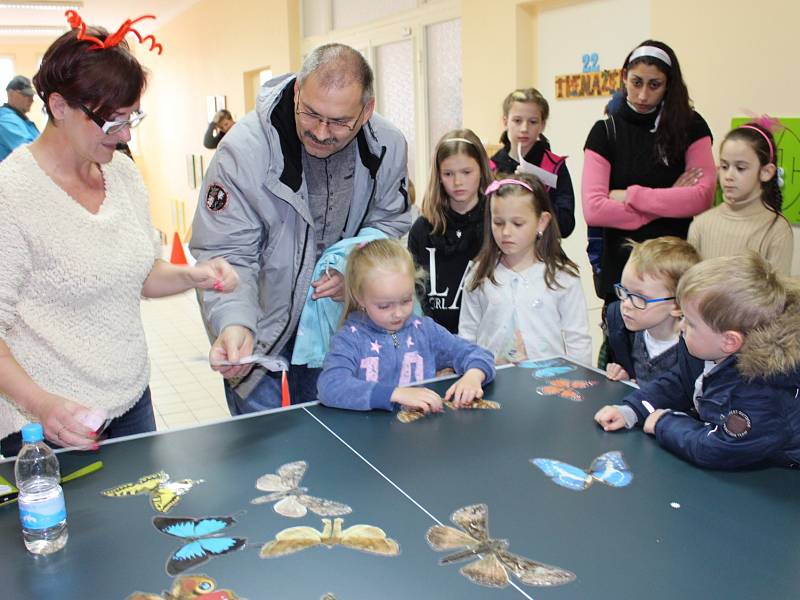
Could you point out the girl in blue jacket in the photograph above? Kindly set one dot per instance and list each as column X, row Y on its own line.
column 382, row 346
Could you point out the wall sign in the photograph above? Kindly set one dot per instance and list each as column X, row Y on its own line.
column 591, row 82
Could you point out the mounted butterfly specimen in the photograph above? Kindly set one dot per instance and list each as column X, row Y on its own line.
column 164, row 494
column 492, row 559
column 365, row 538
column 565, row 388
column 292, row 500
column 409, row 416
column 203, row 540
column 543, row 369
column 609, row 468
column 189, row 587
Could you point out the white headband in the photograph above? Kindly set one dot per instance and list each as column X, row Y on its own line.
column 465, row 140
column 652, row 52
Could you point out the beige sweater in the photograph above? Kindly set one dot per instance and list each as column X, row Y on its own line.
column 71, row 283
column 726, row 230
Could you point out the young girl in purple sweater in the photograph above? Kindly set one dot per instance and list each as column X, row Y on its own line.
column 382, row 346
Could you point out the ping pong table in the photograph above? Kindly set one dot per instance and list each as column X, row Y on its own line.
column 676, row 531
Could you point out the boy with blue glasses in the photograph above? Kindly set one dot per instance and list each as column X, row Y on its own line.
column 644, row 325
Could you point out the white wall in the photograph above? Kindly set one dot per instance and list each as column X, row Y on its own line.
column 565, row 33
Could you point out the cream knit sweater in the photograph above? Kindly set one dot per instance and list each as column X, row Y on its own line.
column 71, row 283
column 727, row 230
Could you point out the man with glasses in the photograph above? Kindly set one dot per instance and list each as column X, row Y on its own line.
column 311, row 165
column 15, row 127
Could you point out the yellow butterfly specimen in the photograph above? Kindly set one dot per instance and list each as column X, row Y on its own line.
column 494, row 560
column 365, row 538
column 164, row 494
column 409, row 416
column 292, row 500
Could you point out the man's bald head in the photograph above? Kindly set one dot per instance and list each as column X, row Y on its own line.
column 338, row 66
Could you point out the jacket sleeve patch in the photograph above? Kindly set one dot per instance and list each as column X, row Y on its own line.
column 737, row 424
column 216, row 198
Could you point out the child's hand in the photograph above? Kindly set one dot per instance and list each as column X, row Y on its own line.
column 652, row 419
column 610, row 418
column 466, row 389
column 615, row 372
column 417, row 398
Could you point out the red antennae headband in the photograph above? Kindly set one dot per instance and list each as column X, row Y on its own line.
column 75, row 21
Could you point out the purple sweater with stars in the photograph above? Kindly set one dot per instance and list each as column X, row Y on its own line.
column 366, row 363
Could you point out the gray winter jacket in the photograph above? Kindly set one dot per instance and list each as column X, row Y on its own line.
column 253, row 211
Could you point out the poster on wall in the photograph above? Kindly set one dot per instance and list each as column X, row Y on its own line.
column 591, row 82
column 787, row 140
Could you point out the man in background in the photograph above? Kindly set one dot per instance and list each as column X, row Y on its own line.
column 15, row 127
column 217, row 129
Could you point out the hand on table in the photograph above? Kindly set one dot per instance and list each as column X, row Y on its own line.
column 416, row 398
column 652, row 419
column 466, row 389
column 610, row 418
column 233, row 343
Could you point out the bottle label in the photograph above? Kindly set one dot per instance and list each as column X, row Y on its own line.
column 44, row 514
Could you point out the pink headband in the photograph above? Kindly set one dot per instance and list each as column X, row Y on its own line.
column 766, row 137
column 495, row 185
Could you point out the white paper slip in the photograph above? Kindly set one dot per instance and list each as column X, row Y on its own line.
column 270, row 363
column 547, row 178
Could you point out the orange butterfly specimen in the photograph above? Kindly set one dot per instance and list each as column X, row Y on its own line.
column 189, row 587
column 409, row 416
column 565, row 388
column 365, row 538
column 492, row 559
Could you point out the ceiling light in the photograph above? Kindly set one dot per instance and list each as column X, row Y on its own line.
column 27, row 30
column 42, row 4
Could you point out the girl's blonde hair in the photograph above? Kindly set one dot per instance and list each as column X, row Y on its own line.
column 386, row 254
column 547, row 249
column 457, row 141
column 735, row 293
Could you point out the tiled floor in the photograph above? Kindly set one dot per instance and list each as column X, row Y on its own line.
column 185, row 390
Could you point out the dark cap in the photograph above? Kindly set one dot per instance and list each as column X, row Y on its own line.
column 22, row 85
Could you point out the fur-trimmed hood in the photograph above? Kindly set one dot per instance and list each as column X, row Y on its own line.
column 773, row 352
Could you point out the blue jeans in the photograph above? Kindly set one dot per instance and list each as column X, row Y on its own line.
column 139, row 419
column 267, row 394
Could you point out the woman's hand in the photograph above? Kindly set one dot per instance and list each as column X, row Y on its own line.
column 59, row 419
column 688, row 178
column 216, row 274
column 618, row 195
column 417, row 398
column 467, row 389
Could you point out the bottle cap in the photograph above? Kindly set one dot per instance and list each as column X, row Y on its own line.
column 32, row 433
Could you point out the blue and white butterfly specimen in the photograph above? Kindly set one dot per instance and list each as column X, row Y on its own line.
column 492, row 559
column 290, row 499
column 203, row 540
column 609, row 468
column 544, row 369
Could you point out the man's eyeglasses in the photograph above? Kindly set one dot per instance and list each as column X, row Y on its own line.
column 637, row 300
column 111, row 127
column 312, row 120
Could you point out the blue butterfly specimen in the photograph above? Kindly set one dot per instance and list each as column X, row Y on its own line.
column 203, row 538
column 544, row 369
column 608, row 468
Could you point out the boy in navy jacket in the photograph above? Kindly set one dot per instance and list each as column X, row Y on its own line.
column 741, row 408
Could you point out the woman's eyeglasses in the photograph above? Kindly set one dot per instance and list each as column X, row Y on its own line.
column 637, row 300
column 111, row 127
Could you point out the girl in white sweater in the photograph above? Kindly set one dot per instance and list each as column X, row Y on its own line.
column 524, row 299
column 79, row 252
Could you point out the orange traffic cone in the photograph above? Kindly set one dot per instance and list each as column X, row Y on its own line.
column 178, row 257
column 286, row 399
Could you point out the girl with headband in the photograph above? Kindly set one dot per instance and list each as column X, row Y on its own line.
column 524, row 298
column 648, row 168
column 448, row 235
column 525, row 114
column 80, row 251
column 750, row 218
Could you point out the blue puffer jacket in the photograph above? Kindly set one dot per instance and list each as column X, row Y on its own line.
column 366, row 363
column 748, row 413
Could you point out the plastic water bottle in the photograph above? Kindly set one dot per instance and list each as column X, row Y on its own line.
column 41, row 499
